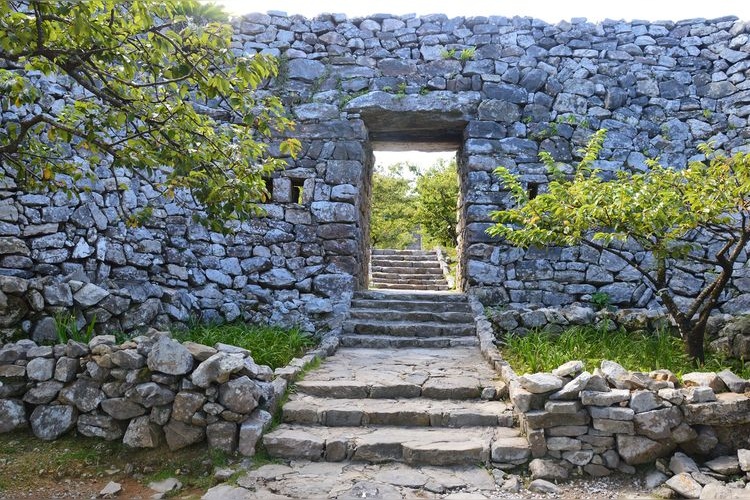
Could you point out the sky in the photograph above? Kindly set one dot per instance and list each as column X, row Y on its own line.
column 552, row 11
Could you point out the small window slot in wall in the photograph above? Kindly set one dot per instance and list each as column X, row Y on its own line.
column 269, row 189
column 532, row 190
column 298, row 190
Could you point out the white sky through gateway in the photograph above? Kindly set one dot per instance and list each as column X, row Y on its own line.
column 551, row 11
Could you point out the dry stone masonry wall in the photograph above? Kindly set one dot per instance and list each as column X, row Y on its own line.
column 497, row 90
column 146, row 392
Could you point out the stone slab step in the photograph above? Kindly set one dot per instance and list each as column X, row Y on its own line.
column 388, row 341
column 413, row 279
column 404, row 286
column 433, row 446
column 458, row 387
column 404, row 251
column 435, row 270
column 412, row 305
column 312, row 410
column 413, row 296
column 389, row 315
column 411, row 262
column 409, row 329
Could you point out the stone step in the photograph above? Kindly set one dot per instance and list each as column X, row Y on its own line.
column 389, row 341
column 408, row 328
column 417, row 296
column 404, row 286
column 390, row 261
column 381, row 251
column 389, row 315
column 312, row 410
column 457, row 387
column 409, row 280
column 411, row 305
column 433, row 446
column 435, row 270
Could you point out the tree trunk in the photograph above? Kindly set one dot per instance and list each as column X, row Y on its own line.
column 694, row 342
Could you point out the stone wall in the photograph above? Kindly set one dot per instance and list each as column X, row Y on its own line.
column 522, row 86
column 147, row 391
column 613, row 419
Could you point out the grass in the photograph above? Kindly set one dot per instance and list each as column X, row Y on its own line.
column 269, row 345
column 26, row 460
column 541, row 351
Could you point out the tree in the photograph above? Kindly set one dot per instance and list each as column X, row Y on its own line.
column 150, row 84
column 391, row 219
column 661, row 222
column 437, row 200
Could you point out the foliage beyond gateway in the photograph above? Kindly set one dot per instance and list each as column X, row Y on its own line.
column 155, row 84
column 660, row 222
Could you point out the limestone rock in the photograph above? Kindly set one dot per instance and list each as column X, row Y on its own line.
column 51, row 422
column 101, row 426
column 179, row 434
column 239, row 395
column 547, row 469
column 685, row 485
column 142, row 433
column 222, row 436
column 680, row 463
column 186, row 404
column 110, row 490
column 733, row 382
column 12, row 415
column 89, row 295
column 122, row 408
column 40, row 369
column 544, row 487
column 85, row 394
column 43, row 393
column 217, row 369
column 642, row 401
column 165, row 485
column 572, row 389
column 704, row 379
column 743, row 457
column 540, row 383
column 150, row 394
column 726, row 465
column 251, row 430
column 170, row 357
column 571, row 368
column 640, row 450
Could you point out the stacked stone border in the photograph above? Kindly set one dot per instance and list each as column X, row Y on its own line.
column 613, row 419
column 147, row 391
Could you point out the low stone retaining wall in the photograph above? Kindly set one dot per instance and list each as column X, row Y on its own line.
column 147, row 391
column 613, row 419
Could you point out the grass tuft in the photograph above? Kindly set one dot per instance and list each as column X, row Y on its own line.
column 269, row 345
column 641, row 351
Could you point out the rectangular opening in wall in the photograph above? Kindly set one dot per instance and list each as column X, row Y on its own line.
column 298, row 190
column 269, row 189
column 413, row 216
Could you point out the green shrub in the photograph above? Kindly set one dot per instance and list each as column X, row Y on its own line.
column 269, row 345
column 66, row 327
column 541, row 351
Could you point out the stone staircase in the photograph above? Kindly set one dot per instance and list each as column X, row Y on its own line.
column 408, row 385
column 406, row 270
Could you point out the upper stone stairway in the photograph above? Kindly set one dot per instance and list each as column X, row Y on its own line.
column 408, row 385
column 406, row 270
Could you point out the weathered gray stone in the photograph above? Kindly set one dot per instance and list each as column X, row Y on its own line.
column 122, row 408
column 43, row 393
column 84, row 394
column 592, row 398
column 680, row 463
column 51, row 422
column 66, row 369
column 251, row 430
column 640, row 450
column 222, row 436
column 186, row 404
column 142, row 433
column 572, row 389
column 101, row 426
column 179, row 435
column 641, row 401
column 544, row 487
column 170, row 357
column 733, row 382
column 726, row 465
column 540, row 383
column 704, row 379
column 239, row 395
column 89, row 295
column 547, row 469
column 685, row 485
column 743, row 457
column 40, row 369
column 150, row 394
column 12, row 415
column 217, row 369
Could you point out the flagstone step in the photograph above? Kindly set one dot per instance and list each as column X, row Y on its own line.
column 410, row 262
column 385, row 314
column 389, row 341
column 414, row 279
column 405, row 286
column 313, row 410
column 405, row 251
column 407, row 305
column 432, row 446
column 429, row 271
column 409, row 328
column 425, row 296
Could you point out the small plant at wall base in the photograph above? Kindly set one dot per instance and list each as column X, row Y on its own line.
column 695, row 217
